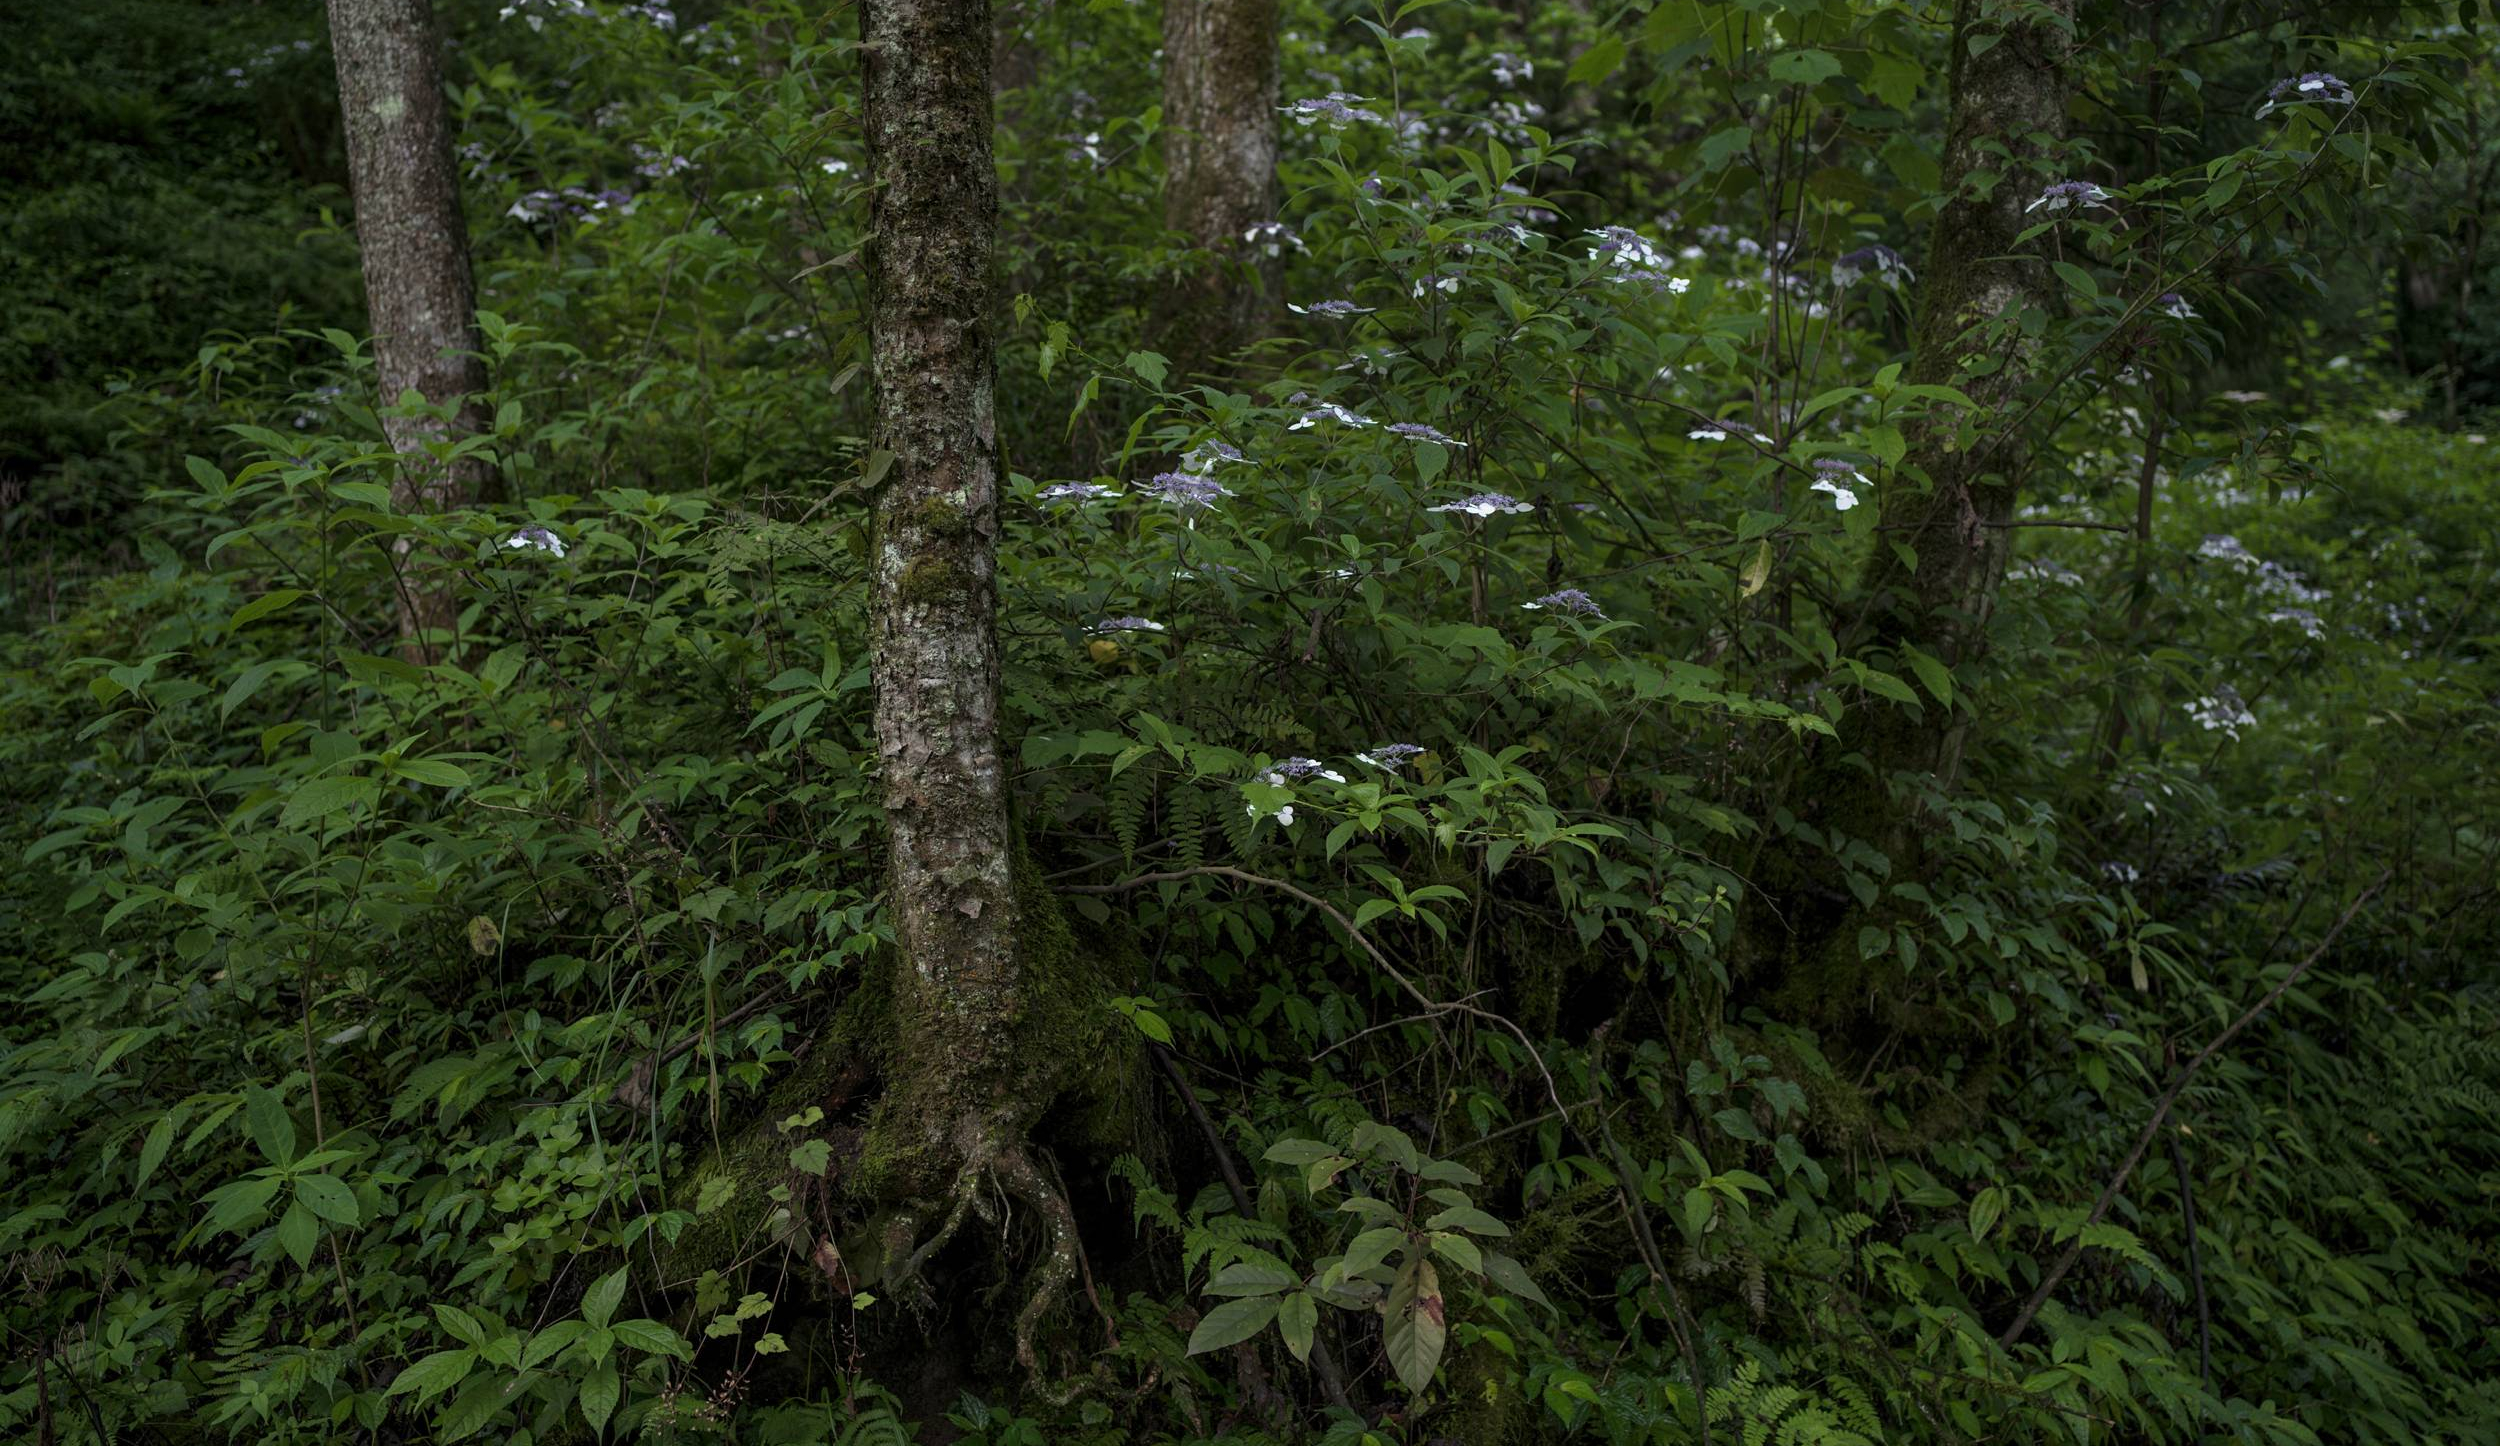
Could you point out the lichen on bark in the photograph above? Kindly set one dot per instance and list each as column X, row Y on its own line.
column 1220, row 142
column 419, row 293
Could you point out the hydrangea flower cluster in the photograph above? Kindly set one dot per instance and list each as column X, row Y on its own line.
column 1390, row 757
column 1509, row 69
column 1879, row 261
column 1210, row 453
column 2272, row 578
column 1074, row 492
column 1441, row 281
column 1635, row 260
column 2318, row 87
column 1569, row 600
column 1328, row 308
column 1299, row 770
column 1423, row 432
column 535, row 539
column 2223, row 712
column 1187, row 491
column 2066, row 195
column 571, row 201
column 1485, row 504
column 1328, row 412
column 1841, row 479
column 1127, row 625
column 535, row 12
column 2172, row 304
column 1721, row 431
column 1337, row 108
column 2301, row 618
column 1272, row 237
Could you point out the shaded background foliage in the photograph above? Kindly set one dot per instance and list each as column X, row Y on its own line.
column 429, row 1052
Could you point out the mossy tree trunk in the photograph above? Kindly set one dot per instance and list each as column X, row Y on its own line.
column 1220, row 141
column 1979, row 321
column 960, row 1091
column 419, row 291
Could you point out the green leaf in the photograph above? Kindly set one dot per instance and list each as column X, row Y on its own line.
column 812, row 1157
column 1418, row 1326
column 1250, row 1278
column 2077, row 278
column 262, row 606
column 1458, row 1250
column 1297, row 1153
column 1370, row 1248
column 298, row 1233
column 1932, row 672
column 598, row 1397
column 273, row 1130
column 327, row 1196
column 433, row 1375
column 600, row 1301
column 652, row 1336
column 1232, row 1323
column 1512, row 1278
column 544, row 1344
column 1803, row 67
column 476, row 1405
column 1467, row 1217
column 433, row 772
column 1296, row 1319
column 1985, row 1208
column 321, row 797
column 1149, row 365
column 231, row 1206
column 152, row 1149
column 460, row 1325
column 1597, row 62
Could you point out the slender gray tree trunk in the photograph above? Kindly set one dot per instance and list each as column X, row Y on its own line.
column 2008, row 106
column 1219, row 156
column 418, row 289
column 964, row 1080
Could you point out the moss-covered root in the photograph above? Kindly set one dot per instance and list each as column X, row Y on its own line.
column 992, row 1150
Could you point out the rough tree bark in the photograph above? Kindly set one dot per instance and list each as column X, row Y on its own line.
column 2007, row 113
column 963, row 1084
column 415, row 244
column 1219, row 159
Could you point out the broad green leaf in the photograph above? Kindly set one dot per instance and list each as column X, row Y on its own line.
column 152, row 1149
column 652, row 1336
column 273, row 1130
column 600, row 1390
column 327, row 1196
column 321, row 797
column 600, row 1301
column 1232, row 1323
column 1418, row 1325
column 1296, row 1319
column 1985, row 1208
column 433, row 1375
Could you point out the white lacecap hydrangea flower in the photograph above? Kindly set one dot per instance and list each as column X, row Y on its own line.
column 1721, row 431
column 1390, row 757
column 1569, row 600
column 1485, row 504
column 1187, row 491
column 2069, row 195
column 1273, row 237
column 1634, row 259
column 1841, row 479
column 1074, row 492
column 1328, row 308
column 1881, row 262
column 1509, row 69
column 2172, row 304
column 1328, row 412
column 1289, row 771
column 1336, row 110
column 1126, row 625
column 1436, row 281
column 535, row 539
column 2301, row 618
column 1212, row 452
column 2318, row 87
column 2222, row 711
column 1421, row 432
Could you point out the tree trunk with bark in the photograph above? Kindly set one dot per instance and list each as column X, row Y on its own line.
column 2007, row 111
column 418, row 288
column 966, row 1076
column 1219, row 159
